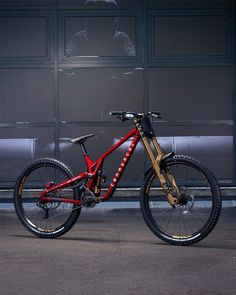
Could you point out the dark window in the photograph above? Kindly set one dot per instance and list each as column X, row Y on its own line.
column 189, row 35
column 23, row 37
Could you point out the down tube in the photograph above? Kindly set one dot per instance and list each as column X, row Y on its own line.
column 121, row 169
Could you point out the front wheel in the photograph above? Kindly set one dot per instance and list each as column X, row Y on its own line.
column 198, row 207
column 45, row 220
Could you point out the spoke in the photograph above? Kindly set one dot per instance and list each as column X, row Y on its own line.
column 187, row 218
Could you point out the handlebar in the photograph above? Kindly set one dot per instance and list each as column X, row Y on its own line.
column 124, row 116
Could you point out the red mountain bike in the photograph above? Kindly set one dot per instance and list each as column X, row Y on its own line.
column 48, row 198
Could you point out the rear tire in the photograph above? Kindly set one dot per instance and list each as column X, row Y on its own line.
column 198, row 210
column 47, row 220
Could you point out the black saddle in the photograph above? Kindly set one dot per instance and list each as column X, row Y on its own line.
column 81, row 139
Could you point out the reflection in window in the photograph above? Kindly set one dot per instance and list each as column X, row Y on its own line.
column 19, row 146
column 100, row 36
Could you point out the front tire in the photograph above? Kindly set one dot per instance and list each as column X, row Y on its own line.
column 198, row 209
column 45, row 220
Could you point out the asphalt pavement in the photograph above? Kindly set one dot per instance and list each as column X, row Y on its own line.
column 111, row 251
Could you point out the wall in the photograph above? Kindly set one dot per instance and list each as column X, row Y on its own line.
column 65, row 64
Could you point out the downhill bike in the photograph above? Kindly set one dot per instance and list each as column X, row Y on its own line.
column 180, row 198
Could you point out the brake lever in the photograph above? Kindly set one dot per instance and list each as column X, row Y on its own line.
column 156, row 115
column 122, row 118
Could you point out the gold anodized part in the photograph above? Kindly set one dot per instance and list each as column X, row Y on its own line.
column 156, row 165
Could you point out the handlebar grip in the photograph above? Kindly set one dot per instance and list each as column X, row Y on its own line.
column 116, row 113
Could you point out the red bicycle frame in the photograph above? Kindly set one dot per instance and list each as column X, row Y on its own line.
column 92, row 172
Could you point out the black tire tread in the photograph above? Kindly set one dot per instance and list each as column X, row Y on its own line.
column 215, row 212
column 26, row 171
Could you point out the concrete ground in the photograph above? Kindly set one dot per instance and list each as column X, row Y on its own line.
column 111, row 251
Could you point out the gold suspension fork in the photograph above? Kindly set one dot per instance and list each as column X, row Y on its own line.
column 156, row 161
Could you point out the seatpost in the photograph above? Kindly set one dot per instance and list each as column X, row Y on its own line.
column 83, row 148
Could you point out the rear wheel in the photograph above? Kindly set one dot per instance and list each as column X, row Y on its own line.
column 198, row 207
column 45, row 220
